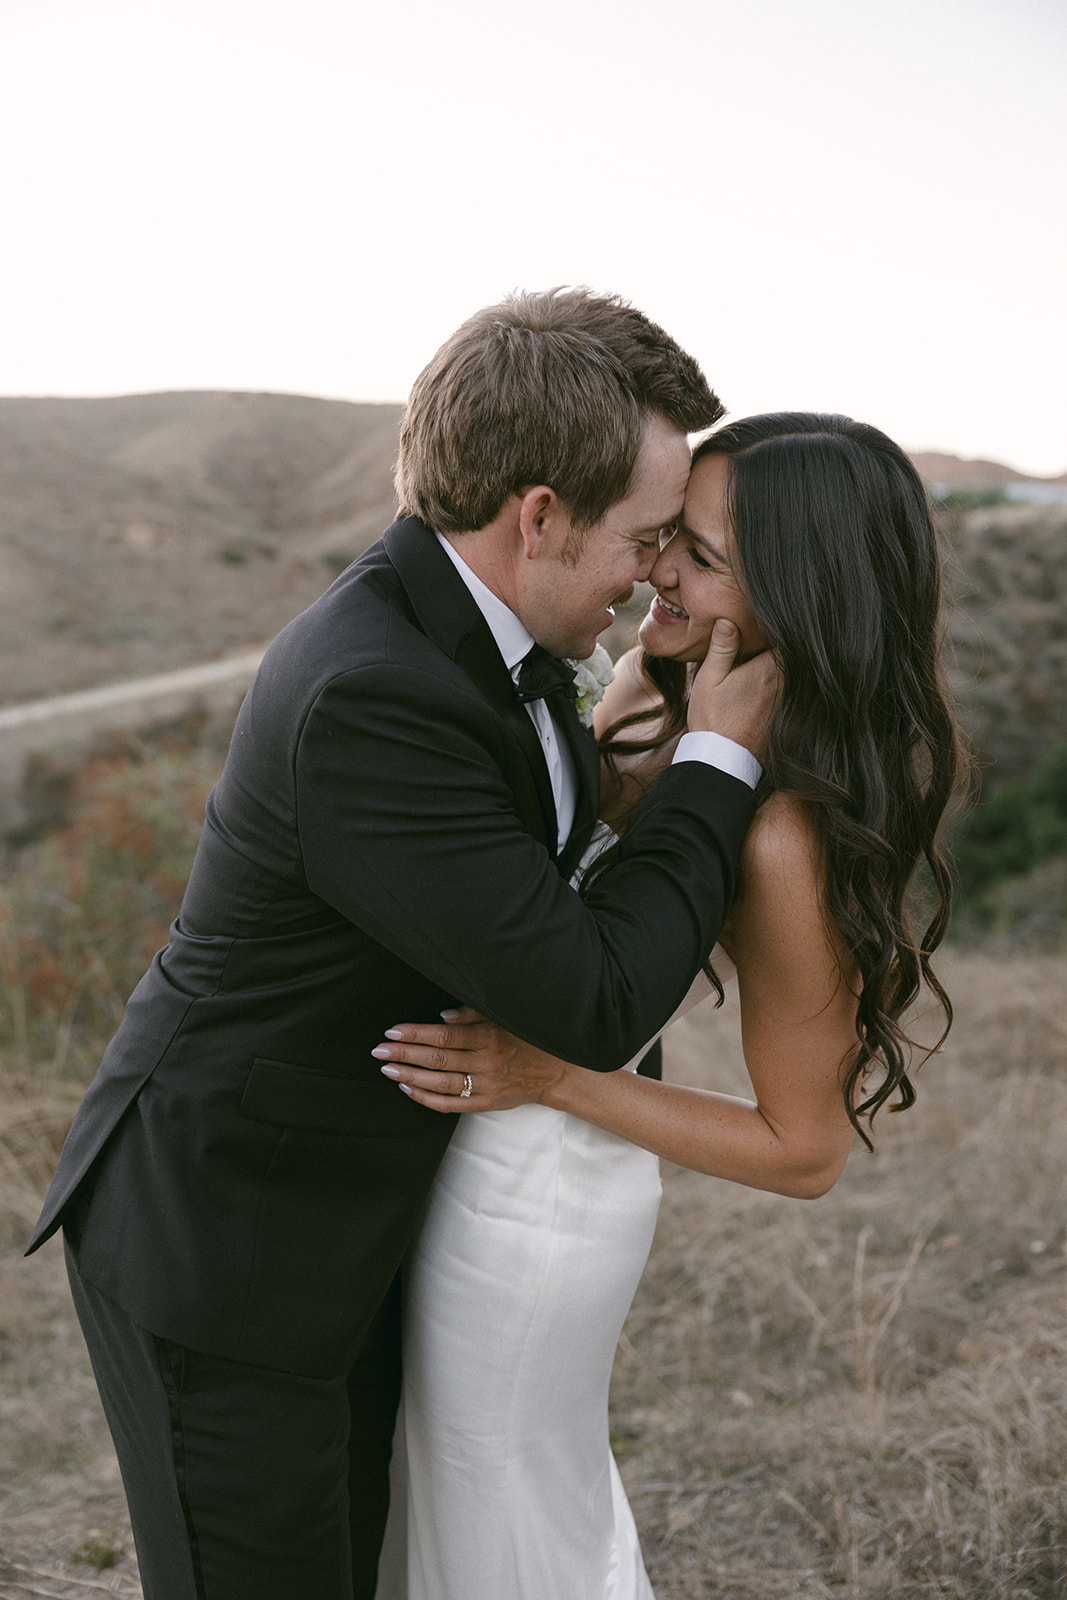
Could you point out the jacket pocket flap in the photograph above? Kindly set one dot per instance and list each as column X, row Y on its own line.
column 320, row 1102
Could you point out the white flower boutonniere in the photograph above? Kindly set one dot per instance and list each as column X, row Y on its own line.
column 591, row 678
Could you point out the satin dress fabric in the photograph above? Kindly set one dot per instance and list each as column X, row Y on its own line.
column 535, row 1236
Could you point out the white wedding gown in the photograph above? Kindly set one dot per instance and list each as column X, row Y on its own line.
column 504, row 1486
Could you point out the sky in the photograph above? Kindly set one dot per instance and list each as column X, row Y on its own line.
column 845, row 205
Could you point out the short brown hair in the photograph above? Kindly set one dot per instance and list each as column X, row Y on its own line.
column 552, row 388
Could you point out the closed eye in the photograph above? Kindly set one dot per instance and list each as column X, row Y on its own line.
column 713, row 561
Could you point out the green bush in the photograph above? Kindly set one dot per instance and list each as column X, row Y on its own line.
column 1010, row 854
column 1021, row 824
column 974, row 499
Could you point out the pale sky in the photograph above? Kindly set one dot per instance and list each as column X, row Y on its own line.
column 849, row 205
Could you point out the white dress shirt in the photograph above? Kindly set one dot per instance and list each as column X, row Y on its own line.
column 514, row 640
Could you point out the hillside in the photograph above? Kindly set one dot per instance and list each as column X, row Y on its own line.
column 1007, row 626
column 157, row 531
column 939, row 467
column 152, row 532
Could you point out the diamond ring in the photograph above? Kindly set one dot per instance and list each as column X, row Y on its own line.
column 468, row 1085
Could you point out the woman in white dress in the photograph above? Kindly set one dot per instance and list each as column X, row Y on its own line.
column 813, row 535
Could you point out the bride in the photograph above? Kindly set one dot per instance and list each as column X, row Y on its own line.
column 813, row 535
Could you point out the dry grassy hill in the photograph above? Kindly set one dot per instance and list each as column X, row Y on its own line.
column 161, row 530
column 865, row 1396
column 861, row 1397
column 1007, row 624
column 937, row 466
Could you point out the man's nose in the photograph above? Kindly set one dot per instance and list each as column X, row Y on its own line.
column 648, row 565
column 662, row 573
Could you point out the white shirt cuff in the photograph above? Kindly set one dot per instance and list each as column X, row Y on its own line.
column 718, row 751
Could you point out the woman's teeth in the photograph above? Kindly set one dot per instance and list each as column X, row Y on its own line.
column 674, row 611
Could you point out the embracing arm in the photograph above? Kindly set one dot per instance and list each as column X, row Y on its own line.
column 797, row 1018
column 407, row 778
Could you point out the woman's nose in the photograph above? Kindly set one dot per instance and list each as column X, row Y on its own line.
column 664, row 573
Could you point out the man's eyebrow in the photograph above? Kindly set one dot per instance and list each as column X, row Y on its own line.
column 705, row 544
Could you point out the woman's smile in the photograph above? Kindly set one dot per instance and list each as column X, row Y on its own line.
column 695, row 576
column 666, row 611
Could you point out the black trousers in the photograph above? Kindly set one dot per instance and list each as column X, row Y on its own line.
column 244, row 1483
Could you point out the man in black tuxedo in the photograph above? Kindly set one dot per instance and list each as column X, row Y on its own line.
column 393, row 833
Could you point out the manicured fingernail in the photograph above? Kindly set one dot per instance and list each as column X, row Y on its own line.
column 382, row 1051
column 450, row 1016
column 404, row 1088
column 393, row 1033
column 390, row 1072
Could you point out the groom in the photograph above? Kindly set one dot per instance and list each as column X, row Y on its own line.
column 394, row 830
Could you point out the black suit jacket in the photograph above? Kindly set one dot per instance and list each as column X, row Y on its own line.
column 240, row 1177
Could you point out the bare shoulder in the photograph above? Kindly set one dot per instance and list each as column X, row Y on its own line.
column 779, row 918
column 782, row 843
column 781, row 878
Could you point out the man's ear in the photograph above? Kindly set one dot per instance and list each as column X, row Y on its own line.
column 538, row 510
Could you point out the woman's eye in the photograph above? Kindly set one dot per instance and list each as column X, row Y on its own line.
column 698, row 559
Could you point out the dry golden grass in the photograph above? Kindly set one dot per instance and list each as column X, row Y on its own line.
column 61, row 1502
column 867, row 1395
column 864, row 1396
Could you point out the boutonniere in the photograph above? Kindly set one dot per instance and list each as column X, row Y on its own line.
column 591, row 678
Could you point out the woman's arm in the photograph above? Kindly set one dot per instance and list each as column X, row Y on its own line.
column 797, row 1022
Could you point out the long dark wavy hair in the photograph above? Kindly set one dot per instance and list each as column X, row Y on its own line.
column 838, row 559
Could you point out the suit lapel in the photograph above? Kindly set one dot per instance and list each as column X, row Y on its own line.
column 479, row 657
column 447, row 613
column 586, row 757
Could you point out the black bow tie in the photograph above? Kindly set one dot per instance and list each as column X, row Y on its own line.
column 541, row 675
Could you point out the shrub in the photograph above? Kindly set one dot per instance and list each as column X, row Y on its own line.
column 1006, row 849
column 82, row 912
column 1022, row 823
